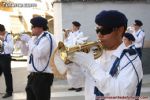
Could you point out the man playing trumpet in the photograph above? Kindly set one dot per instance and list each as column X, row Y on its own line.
column 116, row 72
column 75, row 75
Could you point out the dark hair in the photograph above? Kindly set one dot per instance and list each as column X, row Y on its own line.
column 75, row 23
column 111, row 19
column 138, row 23
column 2, row 28
column 39, row 22
column 45, row 28
column 129, row 36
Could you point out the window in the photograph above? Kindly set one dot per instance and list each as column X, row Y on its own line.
column 16, row 24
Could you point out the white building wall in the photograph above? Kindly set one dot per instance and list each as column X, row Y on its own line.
column 85, row 13
column 5, row 20
column 58, row 21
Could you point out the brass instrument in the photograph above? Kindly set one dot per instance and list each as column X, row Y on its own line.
column 65, row 52
column 17, row 36
column 17, row 40
column 66, row 32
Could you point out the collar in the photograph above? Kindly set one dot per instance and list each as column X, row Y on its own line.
column 6, row 33
column 131, row 45
column 78, row 31
column 119, row 50
column 40, row 35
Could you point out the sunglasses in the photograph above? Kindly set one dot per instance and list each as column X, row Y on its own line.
column 104, row 31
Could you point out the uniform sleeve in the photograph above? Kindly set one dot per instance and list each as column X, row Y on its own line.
column 9, row 44
column 122, row 85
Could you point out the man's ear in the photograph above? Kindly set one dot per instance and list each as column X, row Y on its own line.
column 121, row 31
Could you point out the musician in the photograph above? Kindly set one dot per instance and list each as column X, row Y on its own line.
column 39, row 49
column 75, row 75
column 115, row 73
column 5, row 59
column 139, row 36
column 128, row 39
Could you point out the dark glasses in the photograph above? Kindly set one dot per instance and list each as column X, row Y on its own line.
column 104, row 31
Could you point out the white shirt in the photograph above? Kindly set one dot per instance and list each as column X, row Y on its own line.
column 75, row 75
column 75, row 38
column 125, row 82
column 8, row 44
column 40, row 52
column 139, row 38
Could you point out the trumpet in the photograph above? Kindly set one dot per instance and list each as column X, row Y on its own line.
column 66, row 32
column 65, row 51
column 61, row 56
column 17, row 36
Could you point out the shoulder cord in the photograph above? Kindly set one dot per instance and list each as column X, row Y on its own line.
column 4, row 41
column 31, row 56
column 143, row 38
column 131, row 61
column 139, row 33
column 115, row 65
column 112, row 72
column 139, row 85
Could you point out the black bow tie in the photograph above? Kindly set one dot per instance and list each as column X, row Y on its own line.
column 130, row 51
column 114, row 68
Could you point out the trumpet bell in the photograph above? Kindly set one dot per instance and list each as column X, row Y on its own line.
column 63, row 52
column 57, row 65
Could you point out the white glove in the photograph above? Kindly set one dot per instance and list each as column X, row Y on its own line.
column 25, row 37
column 83, row 59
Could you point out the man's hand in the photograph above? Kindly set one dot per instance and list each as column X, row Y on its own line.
column 83, row 59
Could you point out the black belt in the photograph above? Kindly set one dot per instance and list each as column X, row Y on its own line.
column 40, row 73
column 4, row 55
